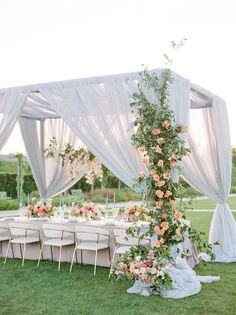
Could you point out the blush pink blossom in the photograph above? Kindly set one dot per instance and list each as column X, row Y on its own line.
column 178, row 215
column 141, row 174
column 160, row 140
column 168, row 193
column 172, row 202
column 153, row 171
column 160, row 163
column 159, row 193
column 160, row 183
column 146, row 160
column 142, row 148
column 158, row 149
column 167, row 175
column 159, row 204
column 166, row 124
column 156, row 178
column 156, row 131
column 178, row 232
column 165, row 225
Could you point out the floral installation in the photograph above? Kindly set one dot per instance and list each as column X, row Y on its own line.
column 146, row 264
column 75, row 161
column 88, row 211
column 134, row 214
column 39, row 211
column 161, row 146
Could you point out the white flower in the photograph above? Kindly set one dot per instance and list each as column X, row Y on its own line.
column 138, row 258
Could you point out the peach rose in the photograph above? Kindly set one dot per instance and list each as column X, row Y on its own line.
column 178, row 215
column 167, row 175
column 156, row 131
column 168, row 193
column 146, row 160
column 160, row 183
column 164, row 216
column 159, row 231
column 141, row 174
column 178, row 232
column 142, row 149
column 153, row 171
column 166, row 124
column 158, row 149
column 173, row 157
column 172, row 202
column 156, row 178
column 160, row 163
column 160, row 140
column 159, row 193
column 157, row 244
column 159, row 204
column 172, row 164
column 165, row 225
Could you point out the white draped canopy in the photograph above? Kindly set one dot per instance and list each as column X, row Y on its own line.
column 96, row 112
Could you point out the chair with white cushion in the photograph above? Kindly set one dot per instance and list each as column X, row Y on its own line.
column 91, row 239
column 23, row 234
column 5, row 234
column 57, row 235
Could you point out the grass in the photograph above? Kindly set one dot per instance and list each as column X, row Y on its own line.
column 210, row 204
column 47, row 291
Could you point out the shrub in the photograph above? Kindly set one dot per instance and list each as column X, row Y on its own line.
column 8, row 204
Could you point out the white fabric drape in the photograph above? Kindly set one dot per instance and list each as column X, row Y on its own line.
column 11, row 103
column 208, row 169
column 98, row 111
column 49, row 175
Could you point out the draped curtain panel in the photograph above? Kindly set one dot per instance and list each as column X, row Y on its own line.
column 208, row 169
column 48, row 173
column 11, row 104
column 98, row 112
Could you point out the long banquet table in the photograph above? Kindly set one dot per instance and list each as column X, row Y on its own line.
column 32, row 250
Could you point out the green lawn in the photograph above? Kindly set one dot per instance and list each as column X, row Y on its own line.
column 210, row 204
column 48, row 291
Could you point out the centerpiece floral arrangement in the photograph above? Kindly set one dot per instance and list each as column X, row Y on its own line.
column 88, row 211
column 75, row 161
column 134, row 214
column 157, row 138
column 40, row 211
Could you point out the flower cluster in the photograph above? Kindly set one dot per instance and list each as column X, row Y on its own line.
column 87, row 211
column 134, row 214
column 75, row 161
column 37, row 211
column 146, row 264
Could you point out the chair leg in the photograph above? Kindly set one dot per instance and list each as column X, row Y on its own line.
column 82, row 262
column 21, row 251
column 23, row 259
column 51, row 253
column 95, row 262
column 76, row 257
column 73, row 257
column 40, row 254
column 12, row 251
column 59, row 262
column 41, row 247
column 8, row 246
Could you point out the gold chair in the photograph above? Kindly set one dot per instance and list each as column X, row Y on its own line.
column 23, row 234
column 57, row 235
column 91, row 239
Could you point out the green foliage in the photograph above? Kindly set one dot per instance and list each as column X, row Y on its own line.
column 9, row 204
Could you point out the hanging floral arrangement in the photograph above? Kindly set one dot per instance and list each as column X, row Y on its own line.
column 75, row 161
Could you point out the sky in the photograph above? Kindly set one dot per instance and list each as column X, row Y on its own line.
column 51, row 40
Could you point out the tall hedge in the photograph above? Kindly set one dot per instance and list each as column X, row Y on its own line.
column 9, row 185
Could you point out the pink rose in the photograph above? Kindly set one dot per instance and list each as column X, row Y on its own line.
column 158, row 149
column 153, row 171
column 156, row 131
column 142, row 148
column 160, row 163
column 146, row 160
column 172, row 164
column 178, row 215
column 165, row 225
column 156, row 178
column 159, row 204
column 160, row 183
column 167, row 175
column 172, row 202
column 166, row 124
column 168, row 193
column 141, row 174
column 159, row 193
